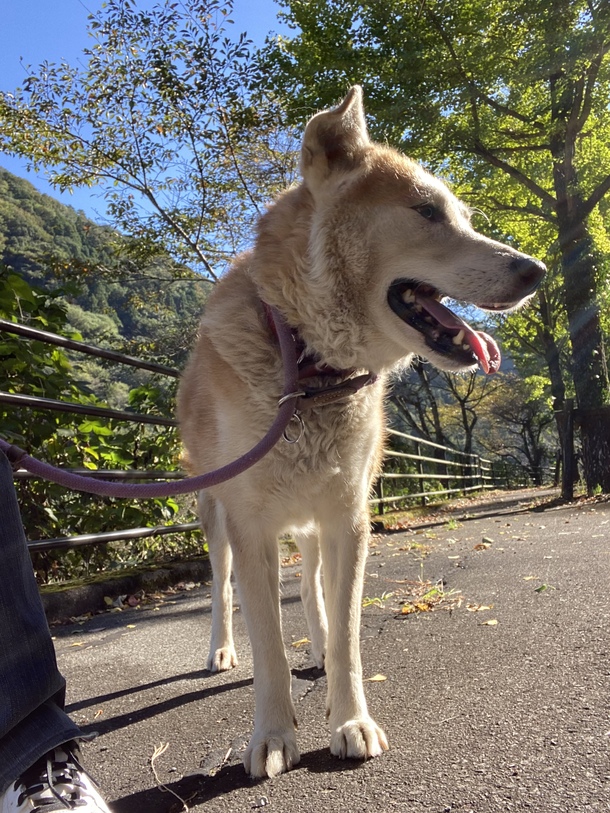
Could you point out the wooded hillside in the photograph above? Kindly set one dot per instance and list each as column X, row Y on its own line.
column 152, row 308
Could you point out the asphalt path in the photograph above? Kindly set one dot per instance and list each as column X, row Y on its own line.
column 485, row 644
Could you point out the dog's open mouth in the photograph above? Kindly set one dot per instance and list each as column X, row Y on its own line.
column 419, row 306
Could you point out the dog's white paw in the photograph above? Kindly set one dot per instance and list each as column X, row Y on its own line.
column 358, row 739
column 271, row 754
column 222, row 659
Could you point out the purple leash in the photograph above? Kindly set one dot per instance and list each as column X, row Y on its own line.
column 107, row 488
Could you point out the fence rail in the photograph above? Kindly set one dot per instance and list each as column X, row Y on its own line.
column 462, row 472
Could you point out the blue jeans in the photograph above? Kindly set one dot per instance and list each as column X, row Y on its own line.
column 32, row 692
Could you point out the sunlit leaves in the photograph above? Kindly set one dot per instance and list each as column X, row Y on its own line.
column 161, row 115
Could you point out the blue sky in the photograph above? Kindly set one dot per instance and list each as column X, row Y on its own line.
column 38, row 30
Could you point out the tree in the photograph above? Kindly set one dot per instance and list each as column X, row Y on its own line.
column 519, row 425
column 161, row 116
column 148, row 309
column 36, row 369
column 489, row 92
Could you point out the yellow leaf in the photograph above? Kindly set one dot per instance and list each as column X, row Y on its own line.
column 478, row 608
column 491, row 623
column 302, row 642
column 530, row 578
column 377, row 678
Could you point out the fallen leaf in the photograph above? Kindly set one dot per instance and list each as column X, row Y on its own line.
column 302, row 642
column 482, row 546
column 543, row 587
column 491, row 623
column 530, row 578
column 377, row 678
column 478, row 608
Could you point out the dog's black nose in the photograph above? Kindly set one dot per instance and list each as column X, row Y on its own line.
column 529, row 271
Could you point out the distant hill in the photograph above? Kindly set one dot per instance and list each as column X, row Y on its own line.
column 148, row 309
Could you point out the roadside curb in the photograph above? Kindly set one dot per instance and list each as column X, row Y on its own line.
column 62, row 604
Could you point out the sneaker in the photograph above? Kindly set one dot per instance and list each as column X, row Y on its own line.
column 57, row 782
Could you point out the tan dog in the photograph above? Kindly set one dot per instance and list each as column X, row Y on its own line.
column 356, row 258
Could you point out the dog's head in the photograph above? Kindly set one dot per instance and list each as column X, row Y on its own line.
column 388, row 242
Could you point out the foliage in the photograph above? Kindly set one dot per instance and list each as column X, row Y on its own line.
column 508, row 99
column 148, row 309
column 49, row 511
column 506, row 416
column 160, row 114
column 518, row 426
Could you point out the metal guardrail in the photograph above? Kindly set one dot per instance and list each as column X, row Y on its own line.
column 468, row 473
column 82, row 347
column 462, row 472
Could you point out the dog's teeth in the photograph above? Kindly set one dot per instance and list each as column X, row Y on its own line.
column 429, row 319
column 408, row 297
column 418, row 308
column 466, row 346
column 457, row 339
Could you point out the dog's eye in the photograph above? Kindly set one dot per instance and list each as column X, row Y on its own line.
column 429, row 211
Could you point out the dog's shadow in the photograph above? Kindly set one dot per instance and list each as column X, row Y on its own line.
column 199, row 789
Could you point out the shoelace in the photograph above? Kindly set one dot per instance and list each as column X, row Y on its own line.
column 54, row 783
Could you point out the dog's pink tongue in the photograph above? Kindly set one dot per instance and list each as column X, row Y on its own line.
column 483, row 346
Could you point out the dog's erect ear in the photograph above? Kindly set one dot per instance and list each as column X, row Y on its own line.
column 334, row 140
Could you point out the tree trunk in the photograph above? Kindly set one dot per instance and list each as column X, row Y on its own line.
column 551, row 352
column 581, row 277
column 595, row 436
column 589, row 369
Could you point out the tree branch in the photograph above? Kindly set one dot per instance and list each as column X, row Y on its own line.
column 483, row 152
column 587, row 206
column 474, row 90
column 526, row 210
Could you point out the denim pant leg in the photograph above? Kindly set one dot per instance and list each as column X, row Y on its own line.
column 32, row 719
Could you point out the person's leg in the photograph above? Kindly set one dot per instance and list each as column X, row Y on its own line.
column 32, row 719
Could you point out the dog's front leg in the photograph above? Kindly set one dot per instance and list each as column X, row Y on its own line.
column 344, row 549
column 272, row 748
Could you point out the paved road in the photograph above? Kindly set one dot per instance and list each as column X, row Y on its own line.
column 481, row 717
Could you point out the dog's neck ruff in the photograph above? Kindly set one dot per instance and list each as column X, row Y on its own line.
column 345, row 382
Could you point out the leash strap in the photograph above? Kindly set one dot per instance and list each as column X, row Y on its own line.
column 108, row 488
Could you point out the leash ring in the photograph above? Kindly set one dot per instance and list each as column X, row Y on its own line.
column 299, row 419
